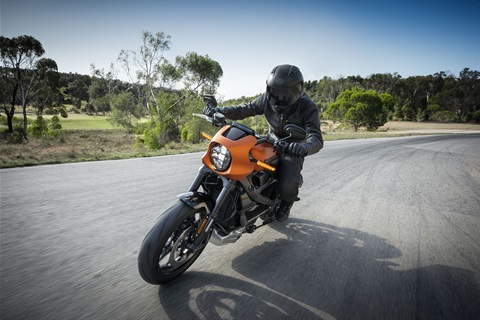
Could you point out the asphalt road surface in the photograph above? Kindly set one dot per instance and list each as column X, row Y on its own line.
column 386, row 229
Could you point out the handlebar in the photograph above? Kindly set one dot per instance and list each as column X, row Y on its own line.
column 218, row 119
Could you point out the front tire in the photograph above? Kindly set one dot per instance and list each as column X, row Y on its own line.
column 163, row 254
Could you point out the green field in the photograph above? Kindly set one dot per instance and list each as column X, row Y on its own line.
column 73, row 122
column 84, row 122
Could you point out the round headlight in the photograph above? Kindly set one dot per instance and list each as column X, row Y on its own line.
column 220, row 157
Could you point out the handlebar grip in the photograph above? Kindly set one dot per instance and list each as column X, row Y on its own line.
column 280, row 147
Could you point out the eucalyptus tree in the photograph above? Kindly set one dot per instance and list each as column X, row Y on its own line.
column 27, row 72
column 165, row 89
column 144, row 69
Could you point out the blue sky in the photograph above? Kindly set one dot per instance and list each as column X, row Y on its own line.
column 248, row 38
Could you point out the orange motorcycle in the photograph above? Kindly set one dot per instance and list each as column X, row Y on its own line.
column 235, row 186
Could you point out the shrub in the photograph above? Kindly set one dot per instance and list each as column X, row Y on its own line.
column 473, row 117
column 151, row 137
column 184, row 134
column 63, row 113
column 17, row 136
column 55, row 123
column 444, row 116
column 38, row 127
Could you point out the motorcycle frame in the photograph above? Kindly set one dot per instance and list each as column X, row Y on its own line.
column 197, row 199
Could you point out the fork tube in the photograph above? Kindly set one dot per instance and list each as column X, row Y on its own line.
column 228, row 186
column 199, row 178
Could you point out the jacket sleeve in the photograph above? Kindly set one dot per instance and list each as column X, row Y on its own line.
column 246, row 110
column 314, row 140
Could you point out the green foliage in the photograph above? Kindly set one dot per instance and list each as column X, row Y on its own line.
column 151, row 137
column 55, row 109
column 200, row 73
column 38, row 128
column 30, row 80
column 191, row 127
column 388, row 103
column 444, row 116
column 408, row 112
column 54, row 123
column 184, row 135
column 473, row 117
column 63, row 113
column 15, row 137
column 124, row 111
column 359, row 108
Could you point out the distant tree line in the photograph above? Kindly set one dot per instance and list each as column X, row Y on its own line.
column 372, row 101
column 440, row 97
column 159, row 96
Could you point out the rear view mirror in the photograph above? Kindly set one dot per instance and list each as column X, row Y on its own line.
column 295, row 132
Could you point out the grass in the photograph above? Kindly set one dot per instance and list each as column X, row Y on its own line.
column 85, row 122
column 83, row 145
column 87, row 138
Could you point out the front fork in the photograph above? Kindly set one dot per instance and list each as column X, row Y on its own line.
column 194, row 199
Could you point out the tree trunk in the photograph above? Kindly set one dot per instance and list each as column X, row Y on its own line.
column 25, row 124
column 9, row 117
column 11, row 113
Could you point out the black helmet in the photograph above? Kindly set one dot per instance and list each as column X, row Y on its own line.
column 284, row 87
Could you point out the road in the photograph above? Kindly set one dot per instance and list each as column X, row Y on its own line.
column 386, row 228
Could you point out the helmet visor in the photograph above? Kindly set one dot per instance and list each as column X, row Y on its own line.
column 282, row 97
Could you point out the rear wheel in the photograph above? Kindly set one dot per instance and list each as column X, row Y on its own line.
column 164, row 254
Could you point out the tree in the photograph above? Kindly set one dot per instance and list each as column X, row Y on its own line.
column 48, row 93
column 103, row 87
column 77, row 90
column 124, row 110
column 155, row 82
column 388, row 103
column 28, row 73
column 359, row 108
column 469, row 92
column 148, row 64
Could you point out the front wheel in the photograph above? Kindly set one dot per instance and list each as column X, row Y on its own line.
column 164, row 253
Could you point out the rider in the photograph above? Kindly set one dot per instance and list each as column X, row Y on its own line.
column 284, row 102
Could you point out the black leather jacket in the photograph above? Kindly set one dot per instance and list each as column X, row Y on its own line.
column 304, row 114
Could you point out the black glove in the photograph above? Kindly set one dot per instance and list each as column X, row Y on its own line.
column 297, row 150
column 209, row 111
column 280, row 147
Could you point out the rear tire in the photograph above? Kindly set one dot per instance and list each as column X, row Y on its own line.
column 163, row 255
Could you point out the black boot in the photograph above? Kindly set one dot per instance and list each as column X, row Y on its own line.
column 283, row 211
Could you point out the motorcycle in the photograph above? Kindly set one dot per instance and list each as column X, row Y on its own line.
column 234, row 188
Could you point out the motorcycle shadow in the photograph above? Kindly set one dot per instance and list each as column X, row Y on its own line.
column 319, row 271
column 203, row 295
column 350, row 274
column 283, row 274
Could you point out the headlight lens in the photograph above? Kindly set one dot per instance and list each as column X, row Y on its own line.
column 220, row 157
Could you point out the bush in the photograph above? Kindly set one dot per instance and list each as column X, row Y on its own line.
column 444, row 116
column 55, row 123
column 184, row 134
column 17, row 136
column 151, row 137
column 38, row 128
column 473, row 117
column 52, row 134
column 63, row 113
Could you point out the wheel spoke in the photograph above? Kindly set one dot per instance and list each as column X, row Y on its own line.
column 175, row 252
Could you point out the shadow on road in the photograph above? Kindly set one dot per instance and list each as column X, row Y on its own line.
column 203, row 295
column 322, row 272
